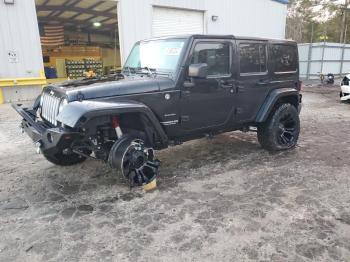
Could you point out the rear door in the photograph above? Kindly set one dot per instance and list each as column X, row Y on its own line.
column 253, row 78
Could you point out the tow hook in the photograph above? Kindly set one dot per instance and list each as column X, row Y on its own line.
column 38, row 147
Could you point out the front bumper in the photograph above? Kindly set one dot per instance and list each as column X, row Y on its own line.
column 49, row 139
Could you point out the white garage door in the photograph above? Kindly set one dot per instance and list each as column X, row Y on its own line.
column 170, row 21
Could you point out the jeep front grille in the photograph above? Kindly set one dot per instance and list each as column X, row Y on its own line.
column 50, row 106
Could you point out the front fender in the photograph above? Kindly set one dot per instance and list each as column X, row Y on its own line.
column 271, row 100
column 77, row 113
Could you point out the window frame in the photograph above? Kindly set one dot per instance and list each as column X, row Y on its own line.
column 215, row 41
column 286, row 72
column 266, row 60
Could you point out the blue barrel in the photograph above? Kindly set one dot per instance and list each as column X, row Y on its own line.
column 50, row 72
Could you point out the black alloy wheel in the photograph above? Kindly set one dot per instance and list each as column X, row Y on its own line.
column 281, row 130
column 287, row 130
column 135, row 161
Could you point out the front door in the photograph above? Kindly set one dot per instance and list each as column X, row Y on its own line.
column 207, row 103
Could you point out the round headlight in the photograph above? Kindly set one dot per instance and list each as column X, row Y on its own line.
column 63, row 103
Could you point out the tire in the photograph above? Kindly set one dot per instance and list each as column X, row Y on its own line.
column 281, row 129
column 61, row 159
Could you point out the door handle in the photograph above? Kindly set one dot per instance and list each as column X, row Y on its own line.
column 262, row 82
column 188, row 84
column 240, row 89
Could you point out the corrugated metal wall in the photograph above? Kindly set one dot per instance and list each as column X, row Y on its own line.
column 19, row 33
column 260, row 18
column 323, row 58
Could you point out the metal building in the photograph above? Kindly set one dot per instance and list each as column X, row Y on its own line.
column 141, row 19
column 21, row 59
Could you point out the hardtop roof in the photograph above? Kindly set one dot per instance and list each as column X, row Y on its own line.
column 202, row 36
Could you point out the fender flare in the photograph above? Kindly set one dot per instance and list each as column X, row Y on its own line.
column 271, row 100
column 77, row 113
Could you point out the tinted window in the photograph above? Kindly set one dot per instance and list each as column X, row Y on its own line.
column 284, row 58
column 252, row 57
column 215, row 55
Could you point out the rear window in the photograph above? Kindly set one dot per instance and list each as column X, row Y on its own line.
column 252, row 58
column 284, row 58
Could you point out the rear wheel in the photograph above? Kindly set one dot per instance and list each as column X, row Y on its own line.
column 281, row 129
column 61, row 159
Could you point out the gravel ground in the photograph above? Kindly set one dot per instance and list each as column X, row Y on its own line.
column 223, row 199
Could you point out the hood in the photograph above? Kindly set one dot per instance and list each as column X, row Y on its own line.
column 100, row 88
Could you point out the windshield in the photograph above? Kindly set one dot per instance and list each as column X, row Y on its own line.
column 159, row 55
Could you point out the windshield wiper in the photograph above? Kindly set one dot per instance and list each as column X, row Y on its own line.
column 140, row 70
column 130, row 69
column 151, row 71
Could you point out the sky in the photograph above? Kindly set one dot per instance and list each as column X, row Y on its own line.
column 325, row 15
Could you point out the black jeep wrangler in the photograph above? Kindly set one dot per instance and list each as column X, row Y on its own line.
column 171, row 90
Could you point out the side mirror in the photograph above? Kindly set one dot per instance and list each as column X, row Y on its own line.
column 198, row 70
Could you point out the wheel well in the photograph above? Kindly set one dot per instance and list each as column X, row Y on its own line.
column 131, row 122
column 136, row 123
column 293, row 100
column 271, row 106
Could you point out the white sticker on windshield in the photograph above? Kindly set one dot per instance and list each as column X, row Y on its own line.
column 173, row 50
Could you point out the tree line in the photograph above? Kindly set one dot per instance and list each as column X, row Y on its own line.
column 318, row 20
